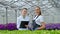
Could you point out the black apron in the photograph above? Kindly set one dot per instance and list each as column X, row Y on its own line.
column 34, row 24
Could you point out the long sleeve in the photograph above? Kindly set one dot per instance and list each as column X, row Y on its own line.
column 41, row 19
column 30, row 22
column 18, row 23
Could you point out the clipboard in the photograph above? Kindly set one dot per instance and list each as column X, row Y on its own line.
column 23, row 23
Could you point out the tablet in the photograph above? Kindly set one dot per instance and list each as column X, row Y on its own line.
column 23, row 23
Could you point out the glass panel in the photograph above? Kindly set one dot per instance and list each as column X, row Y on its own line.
column 2, row 15
column 11, row 16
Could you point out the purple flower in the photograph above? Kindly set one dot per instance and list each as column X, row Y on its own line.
column 2, row 26
column 48, row 26
column 53, row 26
column 58, row 26
column 11, row 26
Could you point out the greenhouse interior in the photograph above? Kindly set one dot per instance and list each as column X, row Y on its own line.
column 11, row 9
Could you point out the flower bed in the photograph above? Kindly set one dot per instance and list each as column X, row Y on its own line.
column 53, row 26
column 12, row 26
column 2, row 26
column 8, row 26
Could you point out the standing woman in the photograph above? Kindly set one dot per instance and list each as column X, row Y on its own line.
column 38, row 21
column 22, row 17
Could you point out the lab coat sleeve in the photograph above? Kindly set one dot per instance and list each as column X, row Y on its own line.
column 30, row 22
column 41, row 19
column 18, row 23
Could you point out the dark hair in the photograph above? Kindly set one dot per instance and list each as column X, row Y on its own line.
column 40, row 13
column 40, row 10
column 24, row 8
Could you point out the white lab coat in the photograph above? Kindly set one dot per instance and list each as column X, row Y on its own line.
column 19, row 19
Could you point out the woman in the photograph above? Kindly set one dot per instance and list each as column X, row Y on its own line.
column 22, row 17
column 38, row 21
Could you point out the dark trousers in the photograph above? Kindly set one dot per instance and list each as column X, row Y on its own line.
column 35, row 26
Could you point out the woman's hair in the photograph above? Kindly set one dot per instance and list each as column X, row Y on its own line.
column 24, row 8
column 40, row 10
